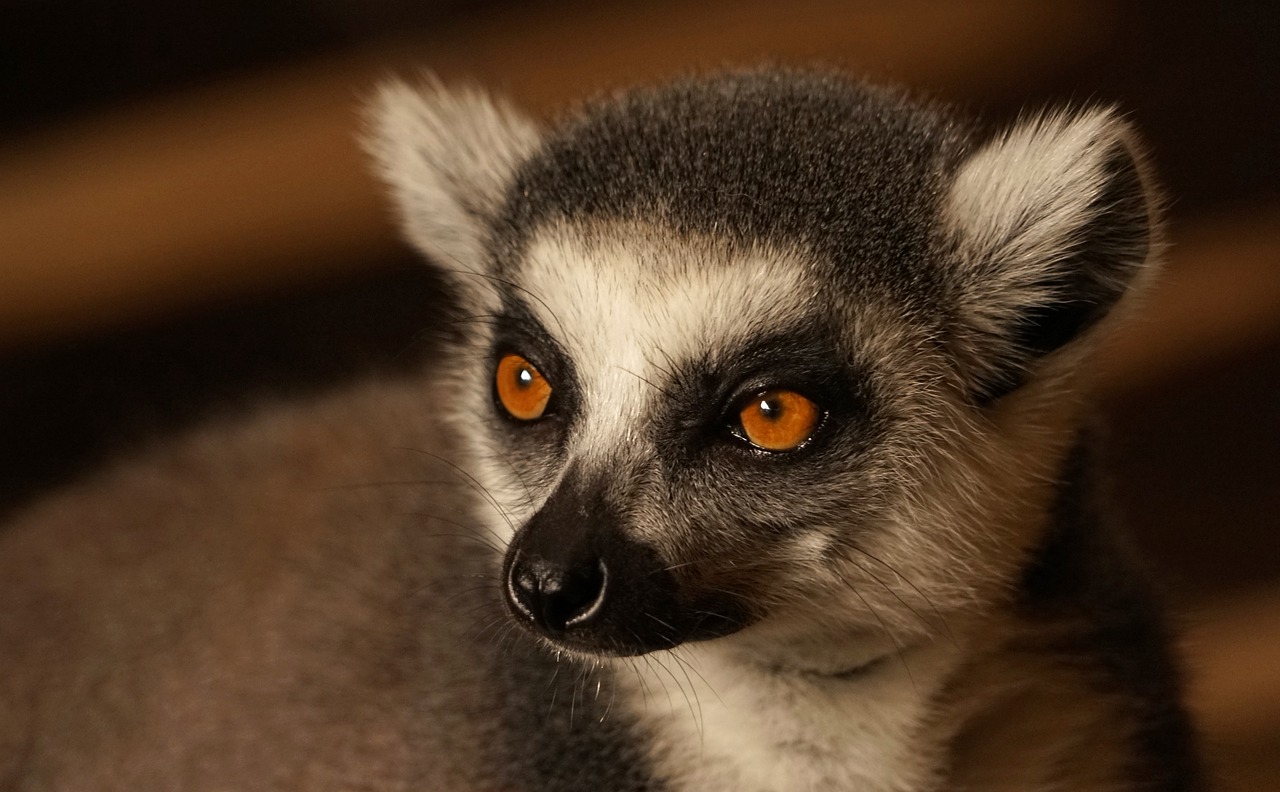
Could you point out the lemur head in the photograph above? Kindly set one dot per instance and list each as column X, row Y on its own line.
column 768, row 354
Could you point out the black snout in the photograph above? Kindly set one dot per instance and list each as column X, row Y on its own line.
column 575, row 575
column 557, row 596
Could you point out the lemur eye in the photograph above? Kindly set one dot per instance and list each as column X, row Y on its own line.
column 778, row 420
column 522, row 389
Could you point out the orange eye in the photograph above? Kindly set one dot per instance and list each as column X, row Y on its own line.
column 778, row 420
column 523, row 391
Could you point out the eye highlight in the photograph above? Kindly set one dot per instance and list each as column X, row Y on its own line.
column 522, row 390
column 777, row 420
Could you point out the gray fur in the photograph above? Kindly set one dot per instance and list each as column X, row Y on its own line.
column 167, row 625
column 401, row 586
column 850, row 169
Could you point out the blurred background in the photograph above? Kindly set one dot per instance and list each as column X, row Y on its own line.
column 187, row 224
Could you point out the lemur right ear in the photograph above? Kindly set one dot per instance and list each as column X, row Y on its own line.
column 448, row 155
column 1051, row 224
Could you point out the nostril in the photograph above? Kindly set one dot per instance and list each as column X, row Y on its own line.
column 554, row 596
column 523, row 589
column 575, row 597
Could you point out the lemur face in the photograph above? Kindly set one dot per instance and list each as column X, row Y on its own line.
column 698, row 435
column 702, row 436
column 767, row 353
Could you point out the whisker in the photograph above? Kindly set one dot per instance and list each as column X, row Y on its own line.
column 885, row 627
column 666, row 690
column 941, row 620
column 688, row 663
column 647, row 381
column 497, row 543
column 914, row 612
column 554, row 688
column 613, row 694
column 472, row 480
column 700, row 719
column 430, row 332
column 696, row 714
column 487, row 543
column 372, row 484
column 513, row 285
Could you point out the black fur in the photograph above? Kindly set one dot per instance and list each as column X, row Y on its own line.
column 851, row 171
column 1092, row 603
column 558, row 732
column 704, row 394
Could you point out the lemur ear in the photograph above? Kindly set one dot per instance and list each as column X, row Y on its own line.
column 1052, row 224
column 448, row 156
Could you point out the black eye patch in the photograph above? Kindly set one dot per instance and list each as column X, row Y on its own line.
column 518, row 332
column 705, row 394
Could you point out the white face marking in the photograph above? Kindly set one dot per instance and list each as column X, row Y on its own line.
column 868, row 733
column 625, row 313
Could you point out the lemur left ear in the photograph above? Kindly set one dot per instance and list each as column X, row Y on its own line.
column 1051, row 225
column 448, row 155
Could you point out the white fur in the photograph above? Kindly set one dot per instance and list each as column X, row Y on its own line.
column 627, row 304
column 1018, row 208
column 748, row 727
column 448, row 155
column 1020, row 201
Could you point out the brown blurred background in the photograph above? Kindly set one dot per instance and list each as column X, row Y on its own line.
column 186, row 223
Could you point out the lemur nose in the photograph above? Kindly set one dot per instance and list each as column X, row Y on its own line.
column 557, row 597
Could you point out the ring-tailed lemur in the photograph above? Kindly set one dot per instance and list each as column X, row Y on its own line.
column 771, row 474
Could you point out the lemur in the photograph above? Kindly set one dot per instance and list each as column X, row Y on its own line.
column 759, row 459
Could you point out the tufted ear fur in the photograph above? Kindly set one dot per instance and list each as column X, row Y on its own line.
column 1052, row 224
column 448, row 156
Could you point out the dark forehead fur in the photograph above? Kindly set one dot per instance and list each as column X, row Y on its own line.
column 851, row 171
